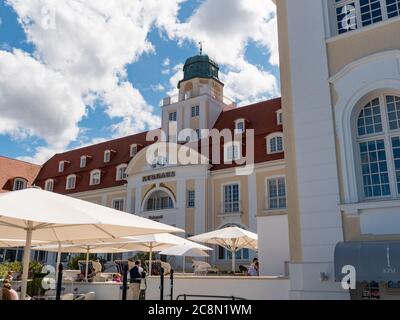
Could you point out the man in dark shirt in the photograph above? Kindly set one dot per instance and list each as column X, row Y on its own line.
column 136, row 276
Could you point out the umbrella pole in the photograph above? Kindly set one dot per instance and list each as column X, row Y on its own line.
column 87, row 264
column 184, row 262
column 27, row 253
column 150, row 258
column 58, row 262
column 233, row 261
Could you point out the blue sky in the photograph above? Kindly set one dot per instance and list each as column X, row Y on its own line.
column 126, row 90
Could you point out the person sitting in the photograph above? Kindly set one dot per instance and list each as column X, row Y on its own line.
column 117, row 277
column 253, row 269
column 136, row 277
column 8, row 293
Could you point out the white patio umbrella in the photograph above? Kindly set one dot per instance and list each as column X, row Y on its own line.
column 14, row 243
column 159, row 242
column 35, row 214
column 106, row 247
column 186, row 250
column 232, row 239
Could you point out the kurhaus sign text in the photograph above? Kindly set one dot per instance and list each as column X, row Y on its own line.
column 159, row 176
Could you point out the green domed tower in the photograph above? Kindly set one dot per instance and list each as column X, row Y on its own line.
column 200, row 66
column 200, row 76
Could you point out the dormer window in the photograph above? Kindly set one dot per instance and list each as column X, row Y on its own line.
column 275, row 143
column 240, row 126
column 61, row 166
column 134, row 150
column 107, row 156
column 279, row 117
column 71, row 182
column 83, row 161
column 233, row 151
column 195, row 111
column 95, row 177
column 20, row 184
column 49, row 185
column 121, row 172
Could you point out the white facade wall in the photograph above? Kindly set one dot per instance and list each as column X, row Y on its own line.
column 315, row 155
column 273, row 248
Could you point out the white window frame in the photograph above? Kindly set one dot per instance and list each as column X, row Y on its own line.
column 23, row 181
column 223, row 202
column 189, row 203
column 173, row 116
column 195, row 111
column 228, row 156
column 68, row 186
column 94, row 182
column 269, row 140
column 118, row 200
column 359, row 23
column 118, row 169
column 268, row 198
column 279, row 117
column 83, row 162
column 133, row 150
column 237, row 123
column 107, row 156
column 49, row 182
column 61, row 166
column 386, row 135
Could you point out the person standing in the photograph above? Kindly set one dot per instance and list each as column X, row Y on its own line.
column 135, row 279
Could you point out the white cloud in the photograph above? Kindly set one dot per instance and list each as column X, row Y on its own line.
column 226, row 40
column 166, row 62
column 87, row 45
column 36, row 101
column 157, row 87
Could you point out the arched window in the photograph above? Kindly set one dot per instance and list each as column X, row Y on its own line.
column 159, row 200
column 20, row 184
column 49, row 185
column 71, row 182
column 275, row 143
column 95, row 177
column 121, row 172
column 378, row 147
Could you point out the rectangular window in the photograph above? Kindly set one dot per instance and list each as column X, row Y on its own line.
column 71, row 181
column 121, row 173
column 173, row 116
column 374, row 169
column 134, row 150
column 195, row 111
column 107, row 156
column 280, row 118
column 61, row 166
column 396, row 159
column 277, row 193
column 231, row 199
column 239, row 127
column 191, row 199
column 118, row 204
column 393, row 8
column 232, row 153
column 353, row 14
column 83, row 162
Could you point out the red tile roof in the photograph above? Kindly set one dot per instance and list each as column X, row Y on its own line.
column 96, row 152
column 261, row 117
column 10, row 169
